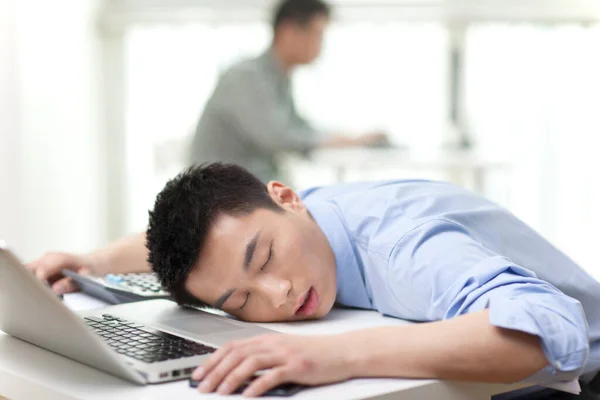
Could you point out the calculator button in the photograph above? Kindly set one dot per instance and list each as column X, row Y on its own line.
column 114, row 279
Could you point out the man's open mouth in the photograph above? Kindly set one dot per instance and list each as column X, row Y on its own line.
column 309, row 304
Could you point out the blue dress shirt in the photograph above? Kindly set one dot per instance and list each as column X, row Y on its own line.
column 426, row 251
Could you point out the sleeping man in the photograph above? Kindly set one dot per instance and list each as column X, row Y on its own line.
column 495, row 301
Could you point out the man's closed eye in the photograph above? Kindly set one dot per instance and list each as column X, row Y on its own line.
column 268, row 258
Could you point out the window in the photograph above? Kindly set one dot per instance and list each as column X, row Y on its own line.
column 532, row 94
column 388, row 76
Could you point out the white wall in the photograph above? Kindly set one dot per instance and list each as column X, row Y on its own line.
column 49, row 126
column 11, row 213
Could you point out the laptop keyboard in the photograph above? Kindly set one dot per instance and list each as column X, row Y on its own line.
column 142, row 343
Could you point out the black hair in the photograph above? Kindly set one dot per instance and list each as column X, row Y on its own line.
column 299, row 11
column 184, row 212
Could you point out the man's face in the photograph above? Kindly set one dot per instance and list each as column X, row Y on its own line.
column 267, row 266
column 307, row 41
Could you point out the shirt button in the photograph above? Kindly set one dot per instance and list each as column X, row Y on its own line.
column 558, row 364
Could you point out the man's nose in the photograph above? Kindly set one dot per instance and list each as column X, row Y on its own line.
column 276, row 289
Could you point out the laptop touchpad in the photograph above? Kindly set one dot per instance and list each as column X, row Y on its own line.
column 201, row 326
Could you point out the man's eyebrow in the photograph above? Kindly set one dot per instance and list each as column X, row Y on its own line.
column 250, row 251
column 221, row 300
column 250, row 248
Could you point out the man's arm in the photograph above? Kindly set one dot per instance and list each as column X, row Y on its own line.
column 254, row 107
column 126, row 255
column 440, row 271
column 466, row 348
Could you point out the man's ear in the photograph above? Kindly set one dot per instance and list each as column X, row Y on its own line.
column 284, row 196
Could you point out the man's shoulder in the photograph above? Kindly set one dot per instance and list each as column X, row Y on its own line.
column 247, row 68
column 365, row 189
column 330, row 192
column 407, row 202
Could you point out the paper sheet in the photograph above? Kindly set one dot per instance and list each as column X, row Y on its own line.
column 569, row 387
column 81, row 302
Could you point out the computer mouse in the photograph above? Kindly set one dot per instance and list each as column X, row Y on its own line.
column 283, row 390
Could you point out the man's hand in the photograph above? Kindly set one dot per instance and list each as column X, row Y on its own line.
column 121, row 257
column 49, row 268
column 309, row 360
column 373, row 139
column 465, row 348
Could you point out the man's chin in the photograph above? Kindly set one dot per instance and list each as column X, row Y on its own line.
column 307, row 318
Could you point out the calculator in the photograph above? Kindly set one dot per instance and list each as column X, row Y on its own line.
column 120, row 288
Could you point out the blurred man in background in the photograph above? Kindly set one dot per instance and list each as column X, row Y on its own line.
column 251, row 116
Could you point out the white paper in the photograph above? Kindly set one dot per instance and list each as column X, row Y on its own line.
column 81, row 302
column 569, row 387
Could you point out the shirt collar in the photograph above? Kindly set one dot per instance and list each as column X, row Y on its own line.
column 270, row 61
column 351, row 288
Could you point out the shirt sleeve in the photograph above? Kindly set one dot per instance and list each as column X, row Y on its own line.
column 253, row 106
column 439, row 271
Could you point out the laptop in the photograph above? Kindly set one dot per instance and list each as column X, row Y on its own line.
column 146, row 342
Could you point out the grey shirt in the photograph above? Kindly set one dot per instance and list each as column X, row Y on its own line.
column 250, row 118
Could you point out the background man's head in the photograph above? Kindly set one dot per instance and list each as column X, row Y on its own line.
column 299, row 27
column 219, row 237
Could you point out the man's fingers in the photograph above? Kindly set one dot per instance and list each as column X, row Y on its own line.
column 213, row 377
column 218, row 355
column 64, row 285
column 32, row 266
column 41, row 272
column 212, row 361
column 268, row 381
column 50, row 266
column 238, row 375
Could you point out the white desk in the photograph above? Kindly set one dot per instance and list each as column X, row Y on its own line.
column 28, row 372
column 462, row 167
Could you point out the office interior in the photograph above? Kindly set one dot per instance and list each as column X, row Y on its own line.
column 99, row 99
